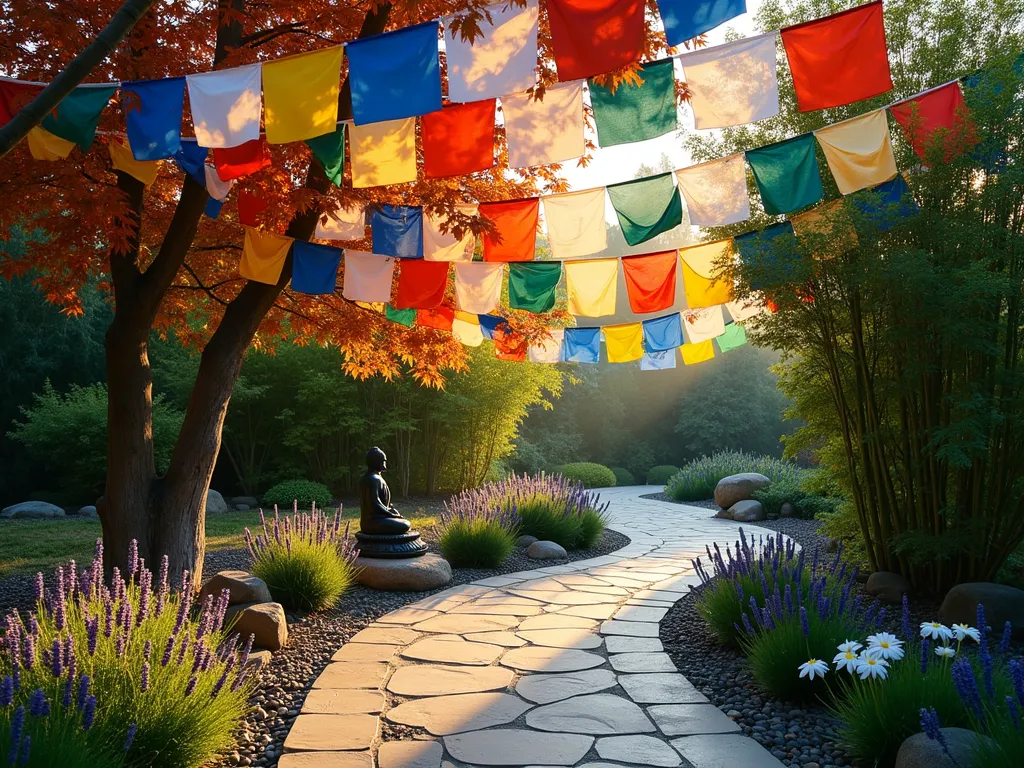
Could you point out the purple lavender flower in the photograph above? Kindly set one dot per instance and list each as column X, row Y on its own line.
column 168, row 650
column 982, row 625
column 130, row 737
column 145, row 676
column 164, row 587
column 747, row 625
column 967, row 686
column 804, row 625
column 26, row 748
column 40, row 587
column 6, row 691
column 57, row 658
column 37, row 704
column 931, row 725
column 789, row 600
column 191, row 685
column 17, row 724
column 986, row 671
column 869, row 614
column 92, row 629
column 1014, row 713
column 88, row 713
column 83, row 691
column 223, row 678
column 1004, row 642
column 1017, row 677
column 880, row 618
column 69, row 689
column 133, row 557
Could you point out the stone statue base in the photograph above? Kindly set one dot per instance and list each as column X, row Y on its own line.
column 417, row 574
column 391, row 547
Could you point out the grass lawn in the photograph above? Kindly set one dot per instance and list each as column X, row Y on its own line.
column 28, row 546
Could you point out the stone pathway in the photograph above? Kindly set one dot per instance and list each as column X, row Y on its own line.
column 558, row 666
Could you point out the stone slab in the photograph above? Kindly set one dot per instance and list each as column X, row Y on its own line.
column 726, row 751
column 545, row 689
column 453, row 651
column 485, row 609
column 638, row 613
column 641, row 750
column 407, row 616
column 364, row 652
column 661, row 688
column 409, row 754
column 627, row 644
column 326, row 760
column 558, row 621
column 505, row 639
column 462, row 624
column 352, row 674
column 599, row 713
column 597, row 612
column 331, row 733
column 630, row 628
column 562, row 638
column 516, row 747
column 445, row 715
column 342, row 701
column 385, row 636
column 691, row 719
column 642, row 662
column 438, row 680
column 539, row 659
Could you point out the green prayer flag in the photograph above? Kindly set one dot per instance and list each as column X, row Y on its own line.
column 787, row 174
column 646, row 207
column 329, row 149
column 76, row 117
column 406, row 317
column 733, row 337
column 532, row 284
column 636, row 112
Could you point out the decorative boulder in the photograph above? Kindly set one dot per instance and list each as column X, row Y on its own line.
column 32, row 510
column 242, row 507
column 250, row 501
column 244, row 587
column 723, row 514
column 739, row 488
column 88, row 511
column 413, row 574
column 266, row 621
column 1002, row 604
column 525, row 541
column 747, row 511
column 258, row 660
column 787, row 510
column 921, row 752
column 887, row 587
column 546, row 550
column 215, row 502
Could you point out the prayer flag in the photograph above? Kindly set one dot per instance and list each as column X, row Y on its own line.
column 636, row 112
column 697, row 353
column 236, row 162
column 923, row 117
column 716, row 192
column 514, row 233
column 651, row 281
column 315, row 267
column 458, row 139
column 532, row 285
column 152, row 112
column 624, row 343
column 14, row 96
column 509, row 346
column 594, row 36
column 582, row 345
column 700, row 271
column 549, row 350
column 646, row 207
column 406, row 317
column 383, row 153
column 489, row 324
column 329, row 149
column 250, row 207
column 575, row 223
column 591, row 286
column 263, row 255
column 478, row 286
column 469, row 334
column 686, row 19
column 395, row 74
column 884, row 204
column 859, row 151
column 501, row 59
column 735, row 336
column 121, row 159
column 77, row 115
column 43, row 145
column 397, row 230
column 732, row 84
column 441, row 318
column 367, row 276
column 226, row 105
column 191, row 158
column 787, row 174
column 702, row 324
column 421, row 284
column 658, row 361
column 745, row 309
column 663, row 333
column 301, row 94
column 212, row 208
column 545, row 131
column 342, row 224
column 438, row 246
column 839, row 59
column 216, row 187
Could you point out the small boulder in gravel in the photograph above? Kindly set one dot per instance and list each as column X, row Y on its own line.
column 787, row 510
column 258, row 660
column 723, row 514
column 244, row 587
column 266, row 621
column 88, row 511
column 413, row 574
column 746, row 511
column 215, row 502
column 32, row 510
column 525, row 541
column 546, row 550
column 921, row 752
column 739, row 488
column 887, row 587
column 1002, row 604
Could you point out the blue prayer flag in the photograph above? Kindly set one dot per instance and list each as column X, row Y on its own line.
column 398, row 231
column 883, row 204
column 212, row 209
column 758, row 247
column 191, row 158
column 489, row 324
column 658, row 361
column 152, row 110
column 315, row 267
column 663, row 333
column 582, row 345
column 686, row 19
column 395, row 74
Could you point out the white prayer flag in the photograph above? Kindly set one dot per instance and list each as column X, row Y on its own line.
column 478, row 286
column 368, row 276
column 550, row 350
column 716, row 192
column 575, row 223
column 444, row 247
column 703, row 324
column 745, row 309
column 226, row 105
column 544, row 132
column 342, row 224
column 501, row 60
column 215, row 186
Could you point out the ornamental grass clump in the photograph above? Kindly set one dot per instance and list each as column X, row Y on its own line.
column 476, row 534
column 696, row 481
column 306, row 559
column 126, row 672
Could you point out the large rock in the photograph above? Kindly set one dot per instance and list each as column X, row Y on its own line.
column 264, row 620
column 244, row 587
column 1002, row 604
column 738, row 488
column 746, row 511
column 723, row 514
column 215, row 502
column 88, row 511
column 414, row 574
column 921, row 752
column 249, row 501
column 242, row 507
column 546, row 550
column 32, row 510
column 887, row 587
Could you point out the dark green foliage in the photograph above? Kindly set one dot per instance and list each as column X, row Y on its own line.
column 305, row 492
column 623, row 477
column 477, row 542
column 590, row 474
column 592, row 524
column 796, row 491
column 545, row 519
column 661, row 474
column 697, row 479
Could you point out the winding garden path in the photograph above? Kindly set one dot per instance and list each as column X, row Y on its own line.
column 557, row 666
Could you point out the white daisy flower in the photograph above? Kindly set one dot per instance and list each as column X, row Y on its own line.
column 872, row 667
column 850, row 646
column 886, row 646
column 812, row 668
column 847, row 660
column 933, row 630
column 963, row 631
column 945, row 652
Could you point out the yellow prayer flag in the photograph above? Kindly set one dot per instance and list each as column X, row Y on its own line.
column 300, row 95
column 122, row 159
column 698, row 353
column 699, row 273
column 624, row 342
column 828, row 220
column 859, row 151
column 383, row 153
column 467, row 317
column 263, row 256
column 45, row 146
column 591, row 286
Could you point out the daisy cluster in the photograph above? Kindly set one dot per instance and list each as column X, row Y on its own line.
column 869, row 662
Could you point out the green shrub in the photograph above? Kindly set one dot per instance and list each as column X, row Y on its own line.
column 775, row 495
column 305, row 493
column 623, row 477
column 661, row 474
column 589, row 474
column 474, row 534
column 696, row 480
column 592, row 525
column 306, row 559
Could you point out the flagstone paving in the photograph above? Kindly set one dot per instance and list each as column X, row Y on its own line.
column 558, row 666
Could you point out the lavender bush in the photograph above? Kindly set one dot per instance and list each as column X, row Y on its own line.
column 125, row 672
column 477, row 533
column 307, row 559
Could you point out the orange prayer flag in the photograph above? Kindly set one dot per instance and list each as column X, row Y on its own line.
column 236, row 162
column 514, row 233
column 421, row 284
column 651, row 281
column 508, row 345
column 440, row 318
column 458, row 139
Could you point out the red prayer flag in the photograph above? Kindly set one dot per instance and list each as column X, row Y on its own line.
column 590, row 37
column 943, row 108
column 458, row 139
column 508, row 345
column 14, row 96
column 421, row 284
column 839, row 59
column 235, row 162
column 250, row 207
column 514, row 236
column 651, row 281
column 440, row 318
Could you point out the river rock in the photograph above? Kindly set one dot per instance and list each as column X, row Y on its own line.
column 244, row 587
column 413, row 574
column 215, row 502
column 1002, row 604
column 546, row 550
column 738, row 488
column 524, row 541
column 746, row 511
column 264, row 620
column 787, row 510
column 32, row 510
column 887, row 587
column 921, row 752
column 242, row 507
column 250, row 501
column 88, row 511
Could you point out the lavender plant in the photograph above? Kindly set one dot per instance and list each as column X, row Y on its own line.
column 307, row 559
column 476, row 534
column 127, row 672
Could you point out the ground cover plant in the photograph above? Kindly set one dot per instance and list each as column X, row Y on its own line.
column 697, row 479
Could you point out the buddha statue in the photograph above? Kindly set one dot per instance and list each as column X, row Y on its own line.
column 383, row 531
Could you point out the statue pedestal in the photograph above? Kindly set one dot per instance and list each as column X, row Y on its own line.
column 418, row 574
column 391, row 547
